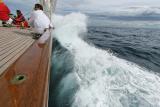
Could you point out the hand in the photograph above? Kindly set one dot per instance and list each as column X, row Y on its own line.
column 41, row 45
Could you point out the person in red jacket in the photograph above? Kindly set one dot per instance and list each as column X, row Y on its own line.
column 4, row 12
column 20, row 20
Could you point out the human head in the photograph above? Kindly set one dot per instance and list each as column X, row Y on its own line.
column 38, row 7
column 19, row 12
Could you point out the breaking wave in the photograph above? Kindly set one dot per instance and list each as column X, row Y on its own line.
column 97, row 78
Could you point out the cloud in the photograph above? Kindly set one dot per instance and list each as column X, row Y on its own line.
column 83, row 5
column 102, row 5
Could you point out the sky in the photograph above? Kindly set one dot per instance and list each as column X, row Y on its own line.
column 102, row 5
column 109, row 2
column 82, row 5
column 25, row 6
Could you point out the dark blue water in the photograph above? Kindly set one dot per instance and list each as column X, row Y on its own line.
column 137, row 44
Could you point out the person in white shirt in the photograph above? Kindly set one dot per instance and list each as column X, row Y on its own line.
column 39, row 20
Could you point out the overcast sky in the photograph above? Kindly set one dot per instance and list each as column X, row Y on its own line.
column 103, row 4
column 24, row 5
column 109, row 2
column 82, row 5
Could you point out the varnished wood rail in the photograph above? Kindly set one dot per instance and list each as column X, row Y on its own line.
column 31, row 89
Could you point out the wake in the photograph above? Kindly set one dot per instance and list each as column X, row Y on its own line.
column 104, row 80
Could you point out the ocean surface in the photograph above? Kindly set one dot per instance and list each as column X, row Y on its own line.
column 138, row 45
column 106, row 60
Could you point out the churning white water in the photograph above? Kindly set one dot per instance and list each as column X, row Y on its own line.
column 104, row 79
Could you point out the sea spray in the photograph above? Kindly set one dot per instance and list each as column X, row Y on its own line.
column 103, row 80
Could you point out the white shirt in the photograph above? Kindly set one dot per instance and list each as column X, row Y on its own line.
column 39, row 21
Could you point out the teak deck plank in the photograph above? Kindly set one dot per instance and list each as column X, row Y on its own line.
column 13, row 56
column 10, row 46
column 9, row 41
column 13, row 43
column 6, row 37
column 12, row 50
column 11, row 60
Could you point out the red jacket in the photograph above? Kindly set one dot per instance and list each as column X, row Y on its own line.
column 4, row 12
column 19, row 19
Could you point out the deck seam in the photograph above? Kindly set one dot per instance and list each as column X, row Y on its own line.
column 14, row 58
column 12, row 51
column 11, row 45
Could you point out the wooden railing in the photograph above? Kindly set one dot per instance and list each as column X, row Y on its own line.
column 25, row 83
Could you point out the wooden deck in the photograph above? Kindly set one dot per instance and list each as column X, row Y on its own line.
column 13, row 43
column 26, row 68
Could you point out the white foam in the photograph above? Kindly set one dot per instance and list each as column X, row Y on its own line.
column 104, row 79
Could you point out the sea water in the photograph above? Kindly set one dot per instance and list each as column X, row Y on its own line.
column 105, row 61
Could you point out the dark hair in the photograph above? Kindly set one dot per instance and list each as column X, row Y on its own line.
column 38, row 6
column 19, row 12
